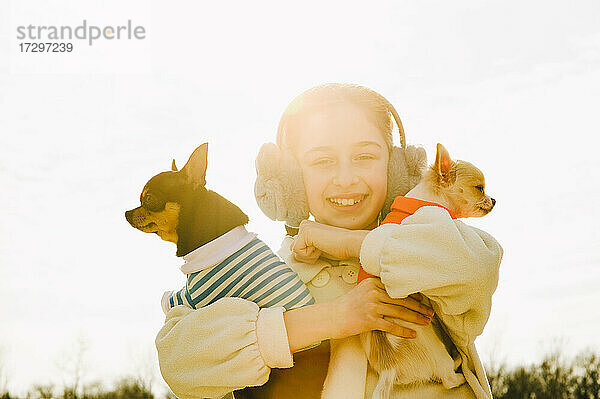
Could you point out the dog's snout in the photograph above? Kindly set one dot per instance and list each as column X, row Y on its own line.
column 129, row 216
column 493, row 201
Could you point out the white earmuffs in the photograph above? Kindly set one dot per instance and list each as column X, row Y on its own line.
column 279, row 187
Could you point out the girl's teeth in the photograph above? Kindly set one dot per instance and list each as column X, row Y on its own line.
column 344, row 201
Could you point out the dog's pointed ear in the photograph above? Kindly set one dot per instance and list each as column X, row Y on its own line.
column 173, row 166
column 195, row 168
column 443, row 163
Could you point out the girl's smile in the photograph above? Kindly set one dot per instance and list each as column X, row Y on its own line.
column 347, row 201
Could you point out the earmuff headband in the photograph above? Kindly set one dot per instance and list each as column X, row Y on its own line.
column 390, row 108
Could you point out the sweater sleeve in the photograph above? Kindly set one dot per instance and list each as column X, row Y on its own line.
column 228, row 345
column 453, row 264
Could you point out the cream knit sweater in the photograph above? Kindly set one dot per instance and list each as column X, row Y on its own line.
column 232, row 343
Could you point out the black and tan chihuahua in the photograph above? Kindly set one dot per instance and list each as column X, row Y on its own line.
column 177, row 207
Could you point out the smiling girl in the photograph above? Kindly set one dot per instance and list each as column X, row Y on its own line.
column 335, row 160
column 344, row 158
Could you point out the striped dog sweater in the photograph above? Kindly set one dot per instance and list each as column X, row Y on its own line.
column 253, row 272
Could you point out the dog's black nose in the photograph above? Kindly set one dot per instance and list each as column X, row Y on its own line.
column 493, row 201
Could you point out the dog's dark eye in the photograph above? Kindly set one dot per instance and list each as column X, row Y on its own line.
column 152, row 203
column 480, row 188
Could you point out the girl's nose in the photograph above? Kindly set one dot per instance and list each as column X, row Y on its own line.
column 345, row 177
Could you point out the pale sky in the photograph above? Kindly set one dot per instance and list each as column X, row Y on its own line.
column 512, row 87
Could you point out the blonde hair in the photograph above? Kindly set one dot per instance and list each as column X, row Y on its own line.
column 377, row 110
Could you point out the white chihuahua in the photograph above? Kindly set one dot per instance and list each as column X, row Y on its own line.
column 459, row 187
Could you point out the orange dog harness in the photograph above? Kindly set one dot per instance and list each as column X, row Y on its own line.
column 401, row 208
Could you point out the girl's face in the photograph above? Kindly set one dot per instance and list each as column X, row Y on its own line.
column 344, row 163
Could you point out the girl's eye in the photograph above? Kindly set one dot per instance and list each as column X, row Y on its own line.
column 480, row 188
column 365, row 157
column 323, row 162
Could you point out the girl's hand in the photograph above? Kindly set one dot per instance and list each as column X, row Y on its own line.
column 360, row 310
column 315, row 239
column 363, row 308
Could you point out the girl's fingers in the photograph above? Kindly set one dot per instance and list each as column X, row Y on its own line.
column 393, row 328
column 304, row 259
column 410, row 302
column 297, row 245
column 402, row 313
column 304, row 253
